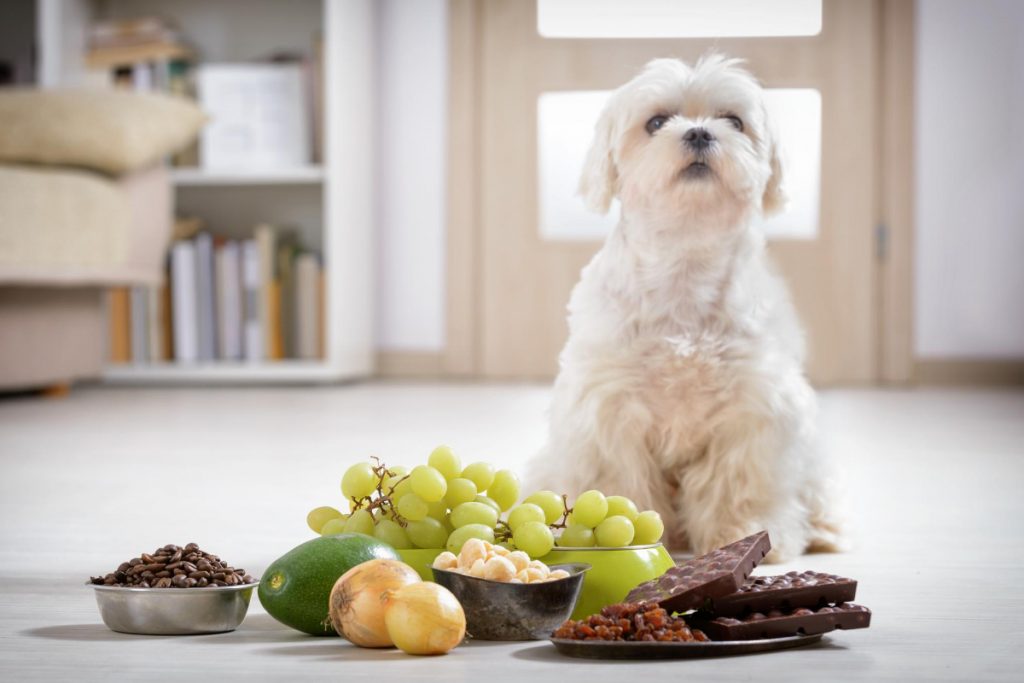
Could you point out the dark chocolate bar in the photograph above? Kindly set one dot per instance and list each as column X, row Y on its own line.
column 778, row 623
column 784, row 592
column 714, row 575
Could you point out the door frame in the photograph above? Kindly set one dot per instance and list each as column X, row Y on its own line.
column 894, row 193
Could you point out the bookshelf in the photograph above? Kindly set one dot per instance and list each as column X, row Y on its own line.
column 199, row 177
column 329, row 203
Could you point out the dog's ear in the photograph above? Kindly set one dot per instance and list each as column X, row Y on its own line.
column 774, row 198
column 600, row 175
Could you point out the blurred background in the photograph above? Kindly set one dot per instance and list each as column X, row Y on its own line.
column 245, row 244
column 388, row 188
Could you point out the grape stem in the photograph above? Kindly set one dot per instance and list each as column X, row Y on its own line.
column 383, row 501
column 564, row 522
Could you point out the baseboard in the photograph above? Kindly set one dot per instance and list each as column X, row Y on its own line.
column 410, row 364
column 1007, row 372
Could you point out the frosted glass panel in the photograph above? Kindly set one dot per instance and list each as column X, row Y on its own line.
column 565, row 126
column 677, row 18
column 797, row 116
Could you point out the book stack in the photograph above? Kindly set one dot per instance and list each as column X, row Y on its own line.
column 139, row 54
column 252, row 300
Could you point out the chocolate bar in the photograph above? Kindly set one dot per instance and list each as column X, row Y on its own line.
column 719, row 573
column 784, row 592
column 778, row 623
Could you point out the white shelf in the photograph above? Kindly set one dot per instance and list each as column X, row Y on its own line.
column 224, row 372
column 201, row 177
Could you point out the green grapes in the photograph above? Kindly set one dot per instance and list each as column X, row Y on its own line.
column 614, row 532
column 488, row 501
column 444, row 461
column 590, row 508
column 412, row 507
column 391, row 533
column 360, row 522
column 463, row 534
column 521, row 514
column 427, row 533
column 333, row 526
column 534, row 538
column 504, row 490
column 390, row 480
column 620, row 505
column 428, row 483
column 577, row 536
column 473, row 513
column 550, row 502
column 359, row 481
column 481, row 474
column 437, row 510
column 459, row 491
column 317, row 517
column 648, row 528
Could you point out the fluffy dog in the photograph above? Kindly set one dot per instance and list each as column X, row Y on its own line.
column 681, row 384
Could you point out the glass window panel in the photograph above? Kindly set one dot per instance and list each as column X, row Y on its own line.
column 677, row 18
column 565, row 126
column 796, row 113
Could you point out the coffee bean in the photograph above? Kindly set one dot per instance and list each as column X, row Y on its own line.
column 174, row 567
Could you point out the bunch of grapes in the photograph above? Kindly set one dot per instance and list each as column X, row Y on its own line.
column 442, row 505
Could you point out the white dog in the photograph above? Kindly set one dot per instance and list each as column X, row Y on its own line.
column 681, row 384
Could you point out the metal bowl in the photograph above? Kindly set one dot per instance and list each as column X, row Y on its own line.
column 514, row 611
column 173, row 611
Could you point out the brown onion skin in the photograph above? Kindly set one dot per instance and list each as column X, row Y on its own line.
column 359, row 598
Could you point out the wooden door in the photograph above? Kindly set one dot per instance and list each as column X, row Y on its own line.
column 525, row 280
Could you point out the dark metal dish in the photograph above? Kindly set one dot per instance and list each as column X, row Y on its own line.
column 514, row 611
column 624, row 649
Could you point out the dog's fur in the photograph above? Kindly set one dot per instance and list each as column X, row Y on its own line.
column 681, row 384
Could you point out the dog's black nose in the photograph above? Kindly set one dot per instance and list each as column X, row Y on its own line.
column 698, row 138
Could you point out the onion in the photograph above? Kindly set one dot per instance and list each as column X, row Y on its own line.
column 424, row 619
column 359, row 597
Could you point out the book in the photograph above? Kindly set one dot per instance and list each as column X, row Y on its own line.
column 228, row 276
column 119, row 319
column 185, row 302
column 284, row 267
column 258, row 116
column 307, row 307
column 167, row 321
column 265, row 239
column 139, row 324
column 252, row 338
column 154, row 325
column 207, row 314
column 118, row 56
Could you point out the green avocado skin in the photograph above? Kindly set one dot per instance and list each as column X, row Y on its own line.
column 296, row 588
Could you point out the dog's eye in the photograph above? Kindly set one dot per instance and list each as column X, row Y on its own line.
column 736, row 121
column 655, row 123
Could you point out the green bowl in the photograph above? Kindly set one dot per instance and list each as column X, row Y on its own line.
column 420, row 559
column 614, row 572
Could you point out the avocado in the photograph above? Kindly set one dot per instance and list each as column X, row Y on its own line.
column 296, row 588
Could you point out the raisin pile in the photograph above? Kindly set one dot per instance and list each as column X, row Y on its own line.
column 631, row 621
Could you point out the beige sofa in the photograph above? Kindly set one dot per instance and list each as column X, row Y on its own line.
column 85, row 203
column 64, row 237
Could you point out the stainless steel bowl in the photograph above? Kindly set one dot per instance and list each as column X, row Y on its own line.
column 514, row 611
column 173, row 611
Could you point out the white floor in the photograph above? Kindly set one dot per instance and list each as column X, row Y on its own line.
column 88, row 481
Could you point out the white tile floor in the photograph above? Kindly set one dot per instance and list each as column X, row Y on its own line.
column 936, row 482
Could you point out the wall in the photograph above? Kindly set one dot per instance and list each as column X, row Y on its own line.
column 411, row 181
column 970, row 179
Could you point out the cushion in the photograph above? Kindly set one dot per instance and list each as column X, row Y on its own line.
column 64, row 227
column 110, row 131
